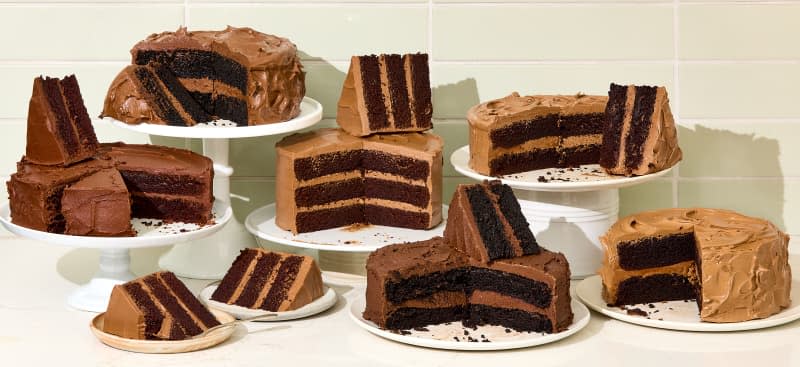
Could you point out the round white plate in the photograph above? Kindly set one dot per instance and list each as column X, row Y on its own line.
column 150, row 232
column 356, row 238
column 164, row 346
column 444, row 336
column 587, row 177
column 310, row 114
column 323, row 303
column 679, row 315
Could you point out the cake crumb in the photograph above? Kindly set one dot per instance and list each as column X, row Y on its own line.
column 421, row 329
column 542, row 179
column 507, row 330
column 466, row 332
column 651, row 305
column 355, row 227
column 456, row 338
column 635, row 312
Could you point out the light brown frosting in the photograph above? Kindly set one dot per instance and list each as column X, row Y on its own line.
column 422, row 146
column 125, row 101
column 661, row 150
column 98, row 205
column 743, row 261
column 491, row 115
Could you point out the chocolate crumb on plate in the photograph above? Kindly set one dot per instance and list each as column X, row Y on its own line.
column 635, row 312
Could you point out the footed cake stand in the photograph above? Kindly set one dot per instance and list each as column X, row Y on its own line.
column 115, row 251
column 210, row 257
column 568, row 209
column 342, row 250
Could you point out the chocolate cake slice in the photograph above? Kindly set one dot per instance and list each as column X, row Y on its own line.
column 430, row 282
column 386, row 93
column 59, row 131
column 157, row 307
column 640, row 133
column 271, row 281
column 333, row 179
column 98, row 205
column 486, row 222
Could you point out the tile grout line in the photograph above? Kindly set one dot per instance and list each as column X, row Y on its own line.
column 676, row 85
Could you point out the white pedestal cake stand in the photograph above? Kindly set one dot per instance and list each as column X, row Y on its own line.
column 115, row 251
column 210, row 257
column 341, row 250
column 569, row 209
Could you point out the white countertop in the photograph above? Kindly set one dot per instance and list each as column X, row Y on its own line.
column 37, row 328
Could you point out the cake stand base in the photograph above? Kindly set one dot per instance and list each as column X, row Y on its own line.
column 571, row 223
column 114, row 269
column 210, row 257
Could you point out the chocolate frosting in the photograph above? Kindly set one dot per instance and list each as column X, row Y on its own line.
column 743, row 261
column 98, row 205
column 275, row 85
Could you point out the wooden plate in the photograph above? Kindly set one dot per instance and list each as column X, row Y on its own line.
column 164, row 346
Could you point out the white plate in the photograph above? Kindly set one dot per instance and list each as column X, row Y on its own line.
column 148, row 233
column 679, row 315
column 261, row 223
column 441, row 336
column 310, row 114
column 163, row 346
column 587, row 177
column 323, row 303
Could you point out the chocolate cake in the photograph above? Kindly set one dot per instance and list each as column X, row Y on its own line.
column 271, row 281
column 735, row 266
column 156, row 307
column 59, row 131
column 486, row 223
column 640, row 135
column 330, row 179
column 98, row 205
column 237, row 74
column 517, row 134
column 430, row 282
column 386, row 93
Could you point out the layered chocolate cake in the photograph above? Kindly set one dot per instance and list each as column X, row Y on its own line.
column 271, row 281
column 165, row 183
column 386, row 93
column 430, row 282
column 236, row 74
column 640, row 135
column 735, row 266
column 331, row 179
column 486, row 223
column 156, row 307
column 522, row 133
column 98, row 205
column 59, row 131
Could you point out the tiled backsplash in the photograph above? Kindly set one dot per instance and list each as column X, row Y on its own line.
column 732, row 69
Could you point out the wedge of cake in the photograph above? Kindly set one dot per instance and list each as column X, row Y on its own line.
column 386, row 93
column 59, row 131
column 522, row 133
column 236, row 74
column 165, row 183
column 156, row 307
column 430, row 282
column 330, row 179
column 98, row 205
column 640, row 135
column 735, row 266
column 271, row 281
column 486, row 223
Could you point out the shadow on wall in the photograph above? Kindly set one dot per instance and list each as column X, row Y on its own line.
column 717, row 153
column 453, row 100
column 558, row 235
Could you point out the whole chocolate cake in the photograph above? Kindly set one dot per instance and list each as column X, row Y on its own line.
column 735, row 266
column 236, row 74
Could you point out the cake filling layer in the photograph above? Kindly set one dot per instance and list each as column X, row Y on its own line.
column 368, row 188
column 522, row 131
column 651, row 252
column 197, row 64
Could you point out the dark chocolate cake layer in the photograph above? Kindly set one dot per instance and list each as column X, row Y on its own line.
column 655, row 288
column 651, row 252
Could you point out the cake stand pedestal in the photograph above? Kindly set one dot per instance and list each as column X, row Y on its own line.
column 114, row 266
column 211, row 257
column 341, row 250
column 568, row 209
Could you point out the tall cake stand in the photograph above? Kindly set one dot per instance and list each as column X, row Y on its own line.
column 114, row 267
column 210, row 257
column 569, row 209
column 341, row 250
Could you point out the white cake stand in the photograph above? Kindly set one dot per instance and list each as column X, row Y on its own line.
column 342, row 249
column 569, row 209
column 115, row 251
column 210, row 257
